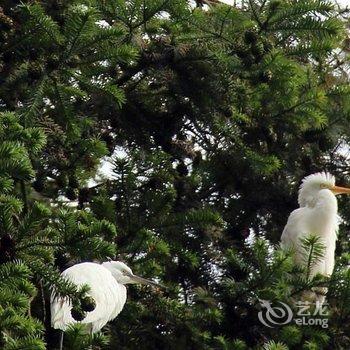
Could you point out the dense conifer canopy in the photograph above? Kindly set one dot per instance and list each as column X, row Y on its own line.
column 210, row 115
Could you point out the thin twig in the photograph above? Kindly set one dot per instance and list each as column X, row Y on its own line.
column 24, row 197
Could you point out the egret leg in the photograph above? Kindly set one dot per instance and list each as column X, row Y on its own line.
column 61, row 340
column 91, row 346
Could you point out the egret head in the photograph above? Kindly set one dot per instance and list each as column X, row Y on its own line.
column 312, row 186
column 123, row 274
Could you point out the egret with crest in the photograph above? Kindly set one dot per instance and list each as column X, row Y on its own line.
column 107, row 293
column 317, row 215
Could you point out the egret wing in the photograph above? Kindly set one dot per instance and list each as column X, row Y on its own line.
column 303, row 222
column 294, row 228
column 109, row 297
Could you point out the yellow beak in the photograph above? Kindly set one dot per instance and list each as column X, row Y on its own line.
column 340, row 190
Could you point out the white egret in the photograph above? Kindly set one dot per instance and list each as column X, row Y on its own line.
column 317, row 215
column 107, row 288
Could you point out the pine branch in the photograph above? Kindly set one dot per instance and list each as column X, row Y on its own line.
column 255, row 14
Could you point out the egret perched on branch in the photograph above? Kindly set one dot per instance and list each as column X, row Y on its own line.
column 107, row 290
column 317, row 215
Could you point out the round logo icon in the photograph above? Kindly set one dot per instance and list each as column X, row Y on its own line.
column 273, row 316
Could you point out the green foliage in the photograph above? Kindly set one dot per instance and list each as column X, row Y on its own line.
column 291, row 335
column 28, row 243
column 210, row 116
column 18, row 330
column 271, row 345
column 313, row 250
column 76, row 339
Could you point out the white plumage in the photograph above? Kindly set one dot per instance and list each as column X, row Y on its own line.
column 107, row 288
column 109, row 296
column 317, row 215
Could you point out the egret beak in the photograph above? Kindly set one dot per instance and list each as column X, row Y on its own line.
column 340, row 190
column 141, row 280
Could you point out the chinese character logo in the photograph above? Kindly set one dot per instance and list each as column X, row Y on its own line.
column 308, row 314
column 273, row 316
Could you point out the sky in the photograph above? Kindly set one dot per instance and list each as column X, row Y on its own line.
column 341, row 2
column 344, row 2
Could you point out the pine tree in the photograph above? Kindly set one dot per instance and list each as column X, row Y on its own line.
column 212, row 115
